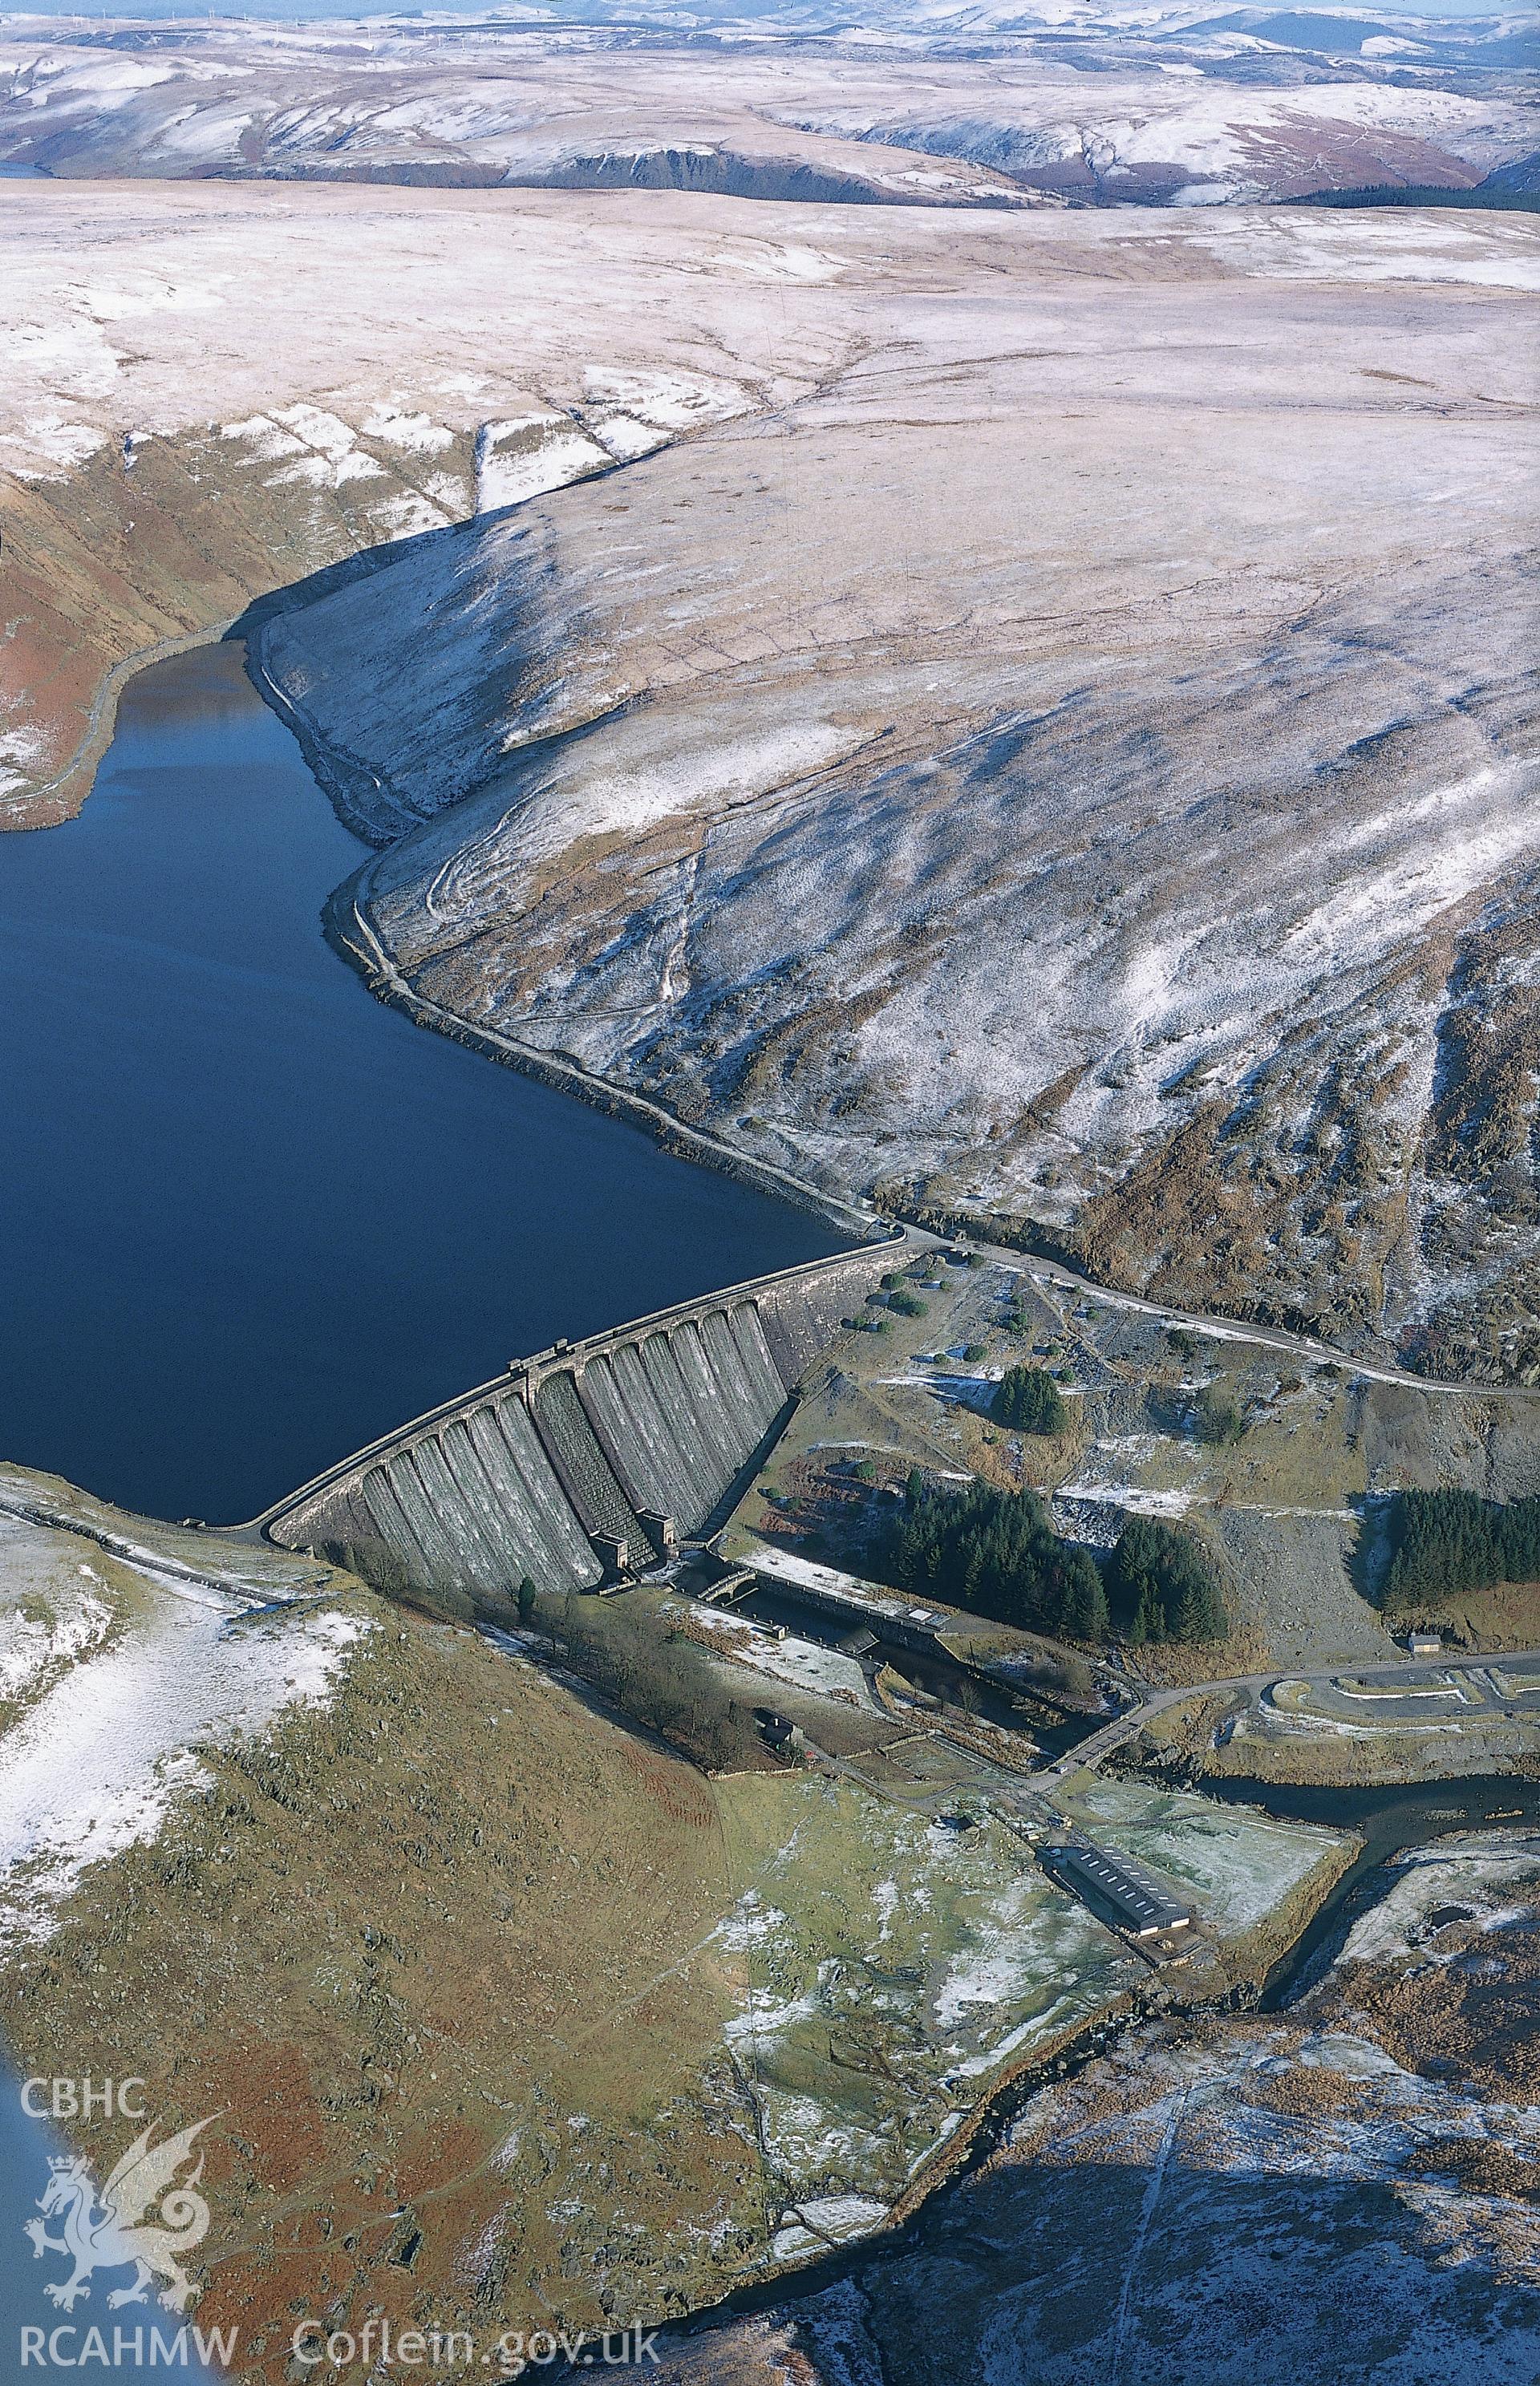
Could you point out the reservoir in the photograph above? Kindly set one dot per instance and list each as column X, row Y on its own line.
column 252, row 1218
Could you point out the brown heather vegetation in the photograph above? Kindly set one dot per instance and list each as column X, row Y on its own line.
column 455, row 1910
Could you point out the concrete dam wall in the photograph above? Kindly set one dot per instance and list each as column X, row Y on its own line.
column 585, row 1448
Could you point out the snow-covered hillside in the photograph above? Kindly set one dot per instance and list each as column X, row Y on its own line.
column 919, row 107
column 211, row 392
column 1076, row 766
column 129, row 1651
column 1024, row 712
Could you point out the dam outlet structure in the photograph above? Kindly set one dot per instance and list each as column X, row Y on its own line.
column 589, row 1461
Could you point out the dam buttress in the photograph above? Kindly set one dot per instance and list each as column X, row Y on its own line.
column 585, row 1447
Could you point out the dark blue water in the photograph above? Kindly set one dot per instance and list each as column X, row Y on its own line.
column 250, row 1218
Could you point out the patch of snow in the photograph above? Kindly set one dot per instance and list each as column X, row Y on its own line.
column 1355, row 2058
column 32, row 1646
column 473, row 2262
column 763, row 2019
column 700, row 775
column 408, row 515
column 263, row 436
column 667, row 401
column 149, row 293
column 751, row 1923
column 995, row 1974
column 1480, row 1875
column 447, row 489
column 623, row 436
column 973, row 2066
column 1400, row 246
column 529, row 456
column 22, row 751
column 766, row 260
column 834, row 2220
column 50, row 447
column 415, row 433
column 807, row 1575
column 95, row 1764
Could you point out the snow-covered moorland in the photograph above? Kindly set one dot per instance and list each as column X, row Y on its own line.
column 1076, row 765
column 213, row 393
column 1024, row 713
column 1103, row 107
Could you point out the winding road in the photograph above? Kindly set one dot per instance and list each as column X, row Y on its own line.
column 1230, row 1329
column 1408, row 1676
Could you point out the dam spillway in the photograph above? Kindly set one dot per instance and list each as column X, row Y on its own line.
column 583, row 1447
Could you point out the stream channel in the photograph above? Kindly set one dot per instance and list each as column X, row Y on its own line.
column 1389, row 1820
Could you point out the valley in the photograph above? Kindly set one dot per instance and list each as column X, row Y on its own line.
column 626, row 1908
column 769, row 927
column 991, row 108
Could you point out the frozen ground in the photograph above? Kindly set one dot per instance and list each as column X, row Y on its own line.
column 1065, row 600
column 1488, row 1881
column 1099, row 107
column 1343, row 2193
column 898, row 1962
column 981, row 727
column 116, row 1673
column 210, row 394
column 54, row 1607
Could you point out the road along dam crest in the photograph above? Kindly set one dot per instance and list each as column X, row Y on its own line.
column 589, row 1458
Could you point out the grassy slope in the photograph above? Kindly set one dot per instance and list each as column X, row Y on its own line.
column 392, row 1937
column 511, row 2015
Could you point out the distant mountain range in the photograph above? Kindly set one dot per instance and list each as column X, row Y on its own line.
column 910, row 106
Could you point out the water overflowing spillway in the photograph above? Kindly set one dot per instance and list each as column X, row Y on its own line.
column 539, row 1473
column 253, row 1219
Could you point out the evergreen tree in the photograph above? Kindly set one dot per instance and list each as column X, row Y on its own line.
column 1162, row 1585
column 1028, row 1399
column 995, row 1553
column 1445, row 1542
column 1216, row 1416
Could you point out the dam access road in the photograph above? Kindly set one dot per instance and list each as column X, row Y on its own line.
column 1383, row 1684
column 587, row 1462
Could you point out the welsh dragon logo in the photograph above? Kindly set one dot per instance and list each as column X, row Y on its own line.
column 107, row 2233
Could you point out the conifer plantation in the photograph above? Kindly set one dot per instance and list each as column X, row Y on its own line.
column 996, row 1553
column 1443, row 1542
column 1161, row 1586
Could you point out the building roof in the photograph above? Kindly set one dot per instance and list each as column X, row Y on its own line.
column 1111, row 1886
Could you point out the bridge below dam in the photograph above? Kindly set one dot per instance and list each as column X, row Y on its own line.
column 590, row 1459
